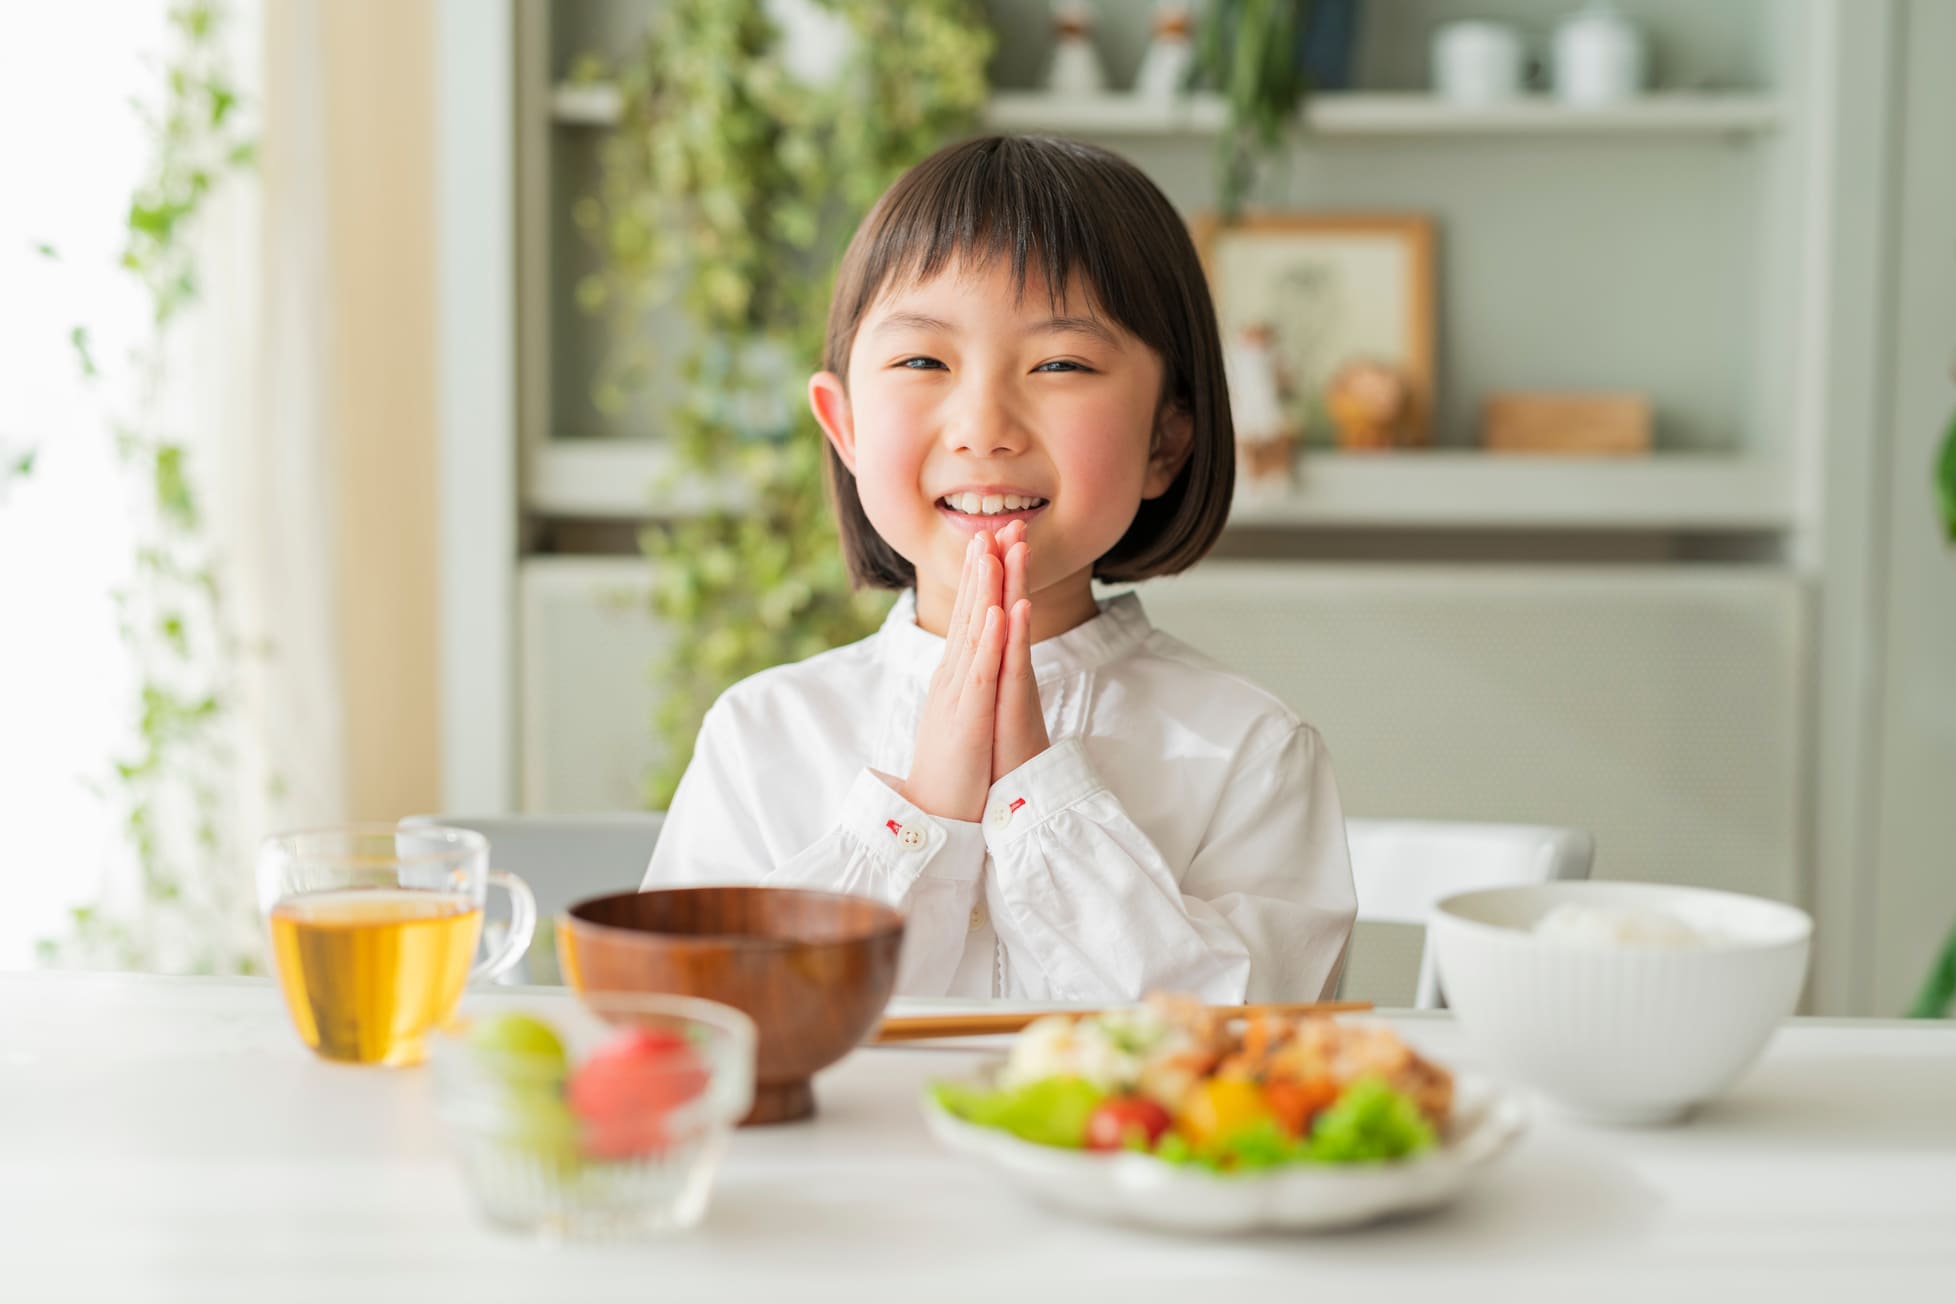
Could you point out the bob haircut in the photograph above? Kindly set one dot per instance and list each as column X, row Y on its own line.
column 1092, row 222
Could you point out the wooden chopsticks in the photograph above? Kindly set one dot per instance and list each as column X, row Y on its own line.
column 925, row 1026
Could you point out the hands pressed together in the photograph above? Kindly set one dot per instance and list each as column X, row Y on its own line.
column 981, row 717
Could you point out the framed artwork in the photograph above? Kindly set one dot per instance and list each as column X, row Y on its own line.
column 1327, row 325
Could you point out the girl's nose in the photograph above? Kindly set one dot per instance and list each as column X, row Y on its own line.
column 985, row 426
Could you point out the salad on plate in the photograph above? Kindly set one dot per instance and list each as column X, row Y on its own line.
column 1177, row 1081
column 1180, row 1116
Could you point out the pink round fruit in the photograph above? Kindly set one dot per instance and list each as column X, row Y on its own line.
column 627, row 1089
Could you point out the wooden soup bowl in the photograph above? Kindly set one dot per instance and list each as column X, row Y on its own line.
column 813, row 970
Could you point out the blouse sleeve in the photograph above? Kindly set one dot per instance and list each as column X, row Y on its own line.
column 877, row 845
column 1089, row 910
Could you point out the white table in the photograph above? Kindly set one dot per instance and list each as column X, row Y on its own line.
column 171, row 1139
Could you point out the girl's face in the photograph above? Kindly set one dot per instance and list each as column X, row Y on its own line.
column 968, row 406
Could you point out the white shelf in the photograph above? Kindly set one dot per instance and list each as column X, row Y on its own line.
column 1358, row 114
column 1346, row 114
column 1409, row 490
column 622, row 479
column 1470, row 490
column 593, row 105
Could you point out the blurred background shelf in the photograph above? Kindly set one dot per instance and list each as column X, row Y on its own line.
column 1339, row 114
column 1702, row 653
column 1674, row 492
column 1681, row 491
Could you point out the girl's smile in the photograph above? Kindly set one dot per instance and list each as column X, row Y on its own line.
column 976, row 507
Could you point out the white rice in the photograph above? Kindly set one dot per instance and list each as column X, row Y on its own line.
column 1570, row 924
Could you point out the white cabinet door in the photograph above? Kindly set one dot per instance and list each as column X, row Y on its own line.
column 1661, row 708
column 588, row 640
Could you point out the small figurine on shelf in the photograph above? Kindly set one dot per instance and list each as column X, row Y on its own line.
column 1266, row 437
column 1076, row 69
column 1165, row 66
column 1371, row 405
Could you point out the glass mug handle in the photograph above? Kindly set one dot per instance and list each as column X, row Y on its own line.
column 522, row 925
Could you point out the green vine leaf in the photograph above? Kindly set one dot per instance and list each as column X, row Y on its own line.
column 714, row 131
column 193, row 913
column 1251, row 50
column 1946, row 480
column 173, row 495
column 78, row 339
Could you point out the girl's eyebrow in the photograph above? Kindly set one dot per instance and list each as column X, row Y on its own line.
column 915, row 321
column 1051, row 326
column 1076, row 326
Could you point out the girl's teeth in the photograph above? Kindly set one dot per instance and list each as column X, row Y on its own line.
column 972, row 504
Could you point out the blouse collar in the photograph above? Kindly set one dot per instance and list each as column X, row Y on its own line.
column 1122, row 626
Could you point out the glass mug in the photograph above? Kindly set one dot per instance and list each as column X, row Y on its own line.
column 373, row 928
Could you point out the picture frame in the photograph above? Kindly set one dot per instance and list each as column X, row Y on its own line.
column 1304, row 300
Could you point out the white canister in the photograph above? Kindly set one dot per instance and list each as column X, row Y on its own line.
column 1598, row 57
column 1477, row 62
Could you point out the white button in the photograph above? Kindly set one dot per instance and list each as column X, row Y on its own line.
column 911, row 838
column 1001, row 817
column 977, row 918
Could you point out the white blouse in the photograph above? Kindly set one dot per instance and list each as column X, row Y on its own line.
column 1182, row 833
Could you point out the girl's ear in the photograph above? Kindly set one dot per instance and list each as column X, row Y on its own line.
column 1174, row 440
column 830, row 402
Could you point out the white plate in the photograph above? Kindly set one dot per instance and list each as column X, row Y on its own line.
column 1139, row 1189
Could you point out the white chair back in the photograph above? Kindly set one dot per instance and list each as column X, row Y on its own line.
column 1402, row 868
column 564, row 859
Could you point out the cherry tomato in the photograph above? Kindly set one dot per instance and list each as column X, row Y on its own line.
column 625, row 1090
column 1216, row 1109
column 1113, row 1121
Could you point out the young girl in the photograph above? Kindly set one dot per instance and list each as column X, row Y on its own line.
column 1023, row 394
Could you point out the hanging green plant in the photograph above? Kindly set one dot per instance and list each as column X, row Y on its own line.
column 1265, row 58
column 729, row 189
column 190, row 910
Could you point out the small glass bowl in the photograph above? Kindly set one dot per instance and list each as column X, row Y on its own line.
column 534, row 1166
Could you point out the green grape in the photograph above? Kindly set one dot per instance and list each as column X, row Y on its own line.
column 521, row 1045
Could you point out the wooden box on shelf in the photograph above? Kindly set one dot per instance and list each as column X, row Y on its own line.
column 1534, row 422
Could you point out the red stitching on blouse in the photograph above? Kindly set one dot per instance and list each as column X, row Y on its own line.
column 1016, row 803
column 894, row 827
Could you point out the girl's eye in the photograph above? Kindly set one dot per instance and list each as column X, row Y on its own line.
column 1061, row 364
column 920, row 364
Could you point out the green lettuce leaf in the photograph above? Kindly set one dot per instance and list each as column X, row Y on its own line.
column 1049, row 1112
column 1369, row 1122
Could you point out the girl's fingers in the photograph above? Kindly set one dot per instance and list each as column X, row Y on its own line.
column 1016, row 557
column 974, row 616
column 971, row 591
column 961, row 604
column 1019, row 728
column 960, row 613
column 1016, row 670
column 985, row 582
column 980, row 700
column 965, row 611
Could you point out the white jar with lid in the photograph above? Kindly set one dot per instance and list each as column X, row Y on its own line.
column 1476, row 62
column 1598, row 57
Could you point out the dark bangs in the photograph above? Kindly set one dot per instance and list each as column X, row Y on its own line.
column 1093, row 223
